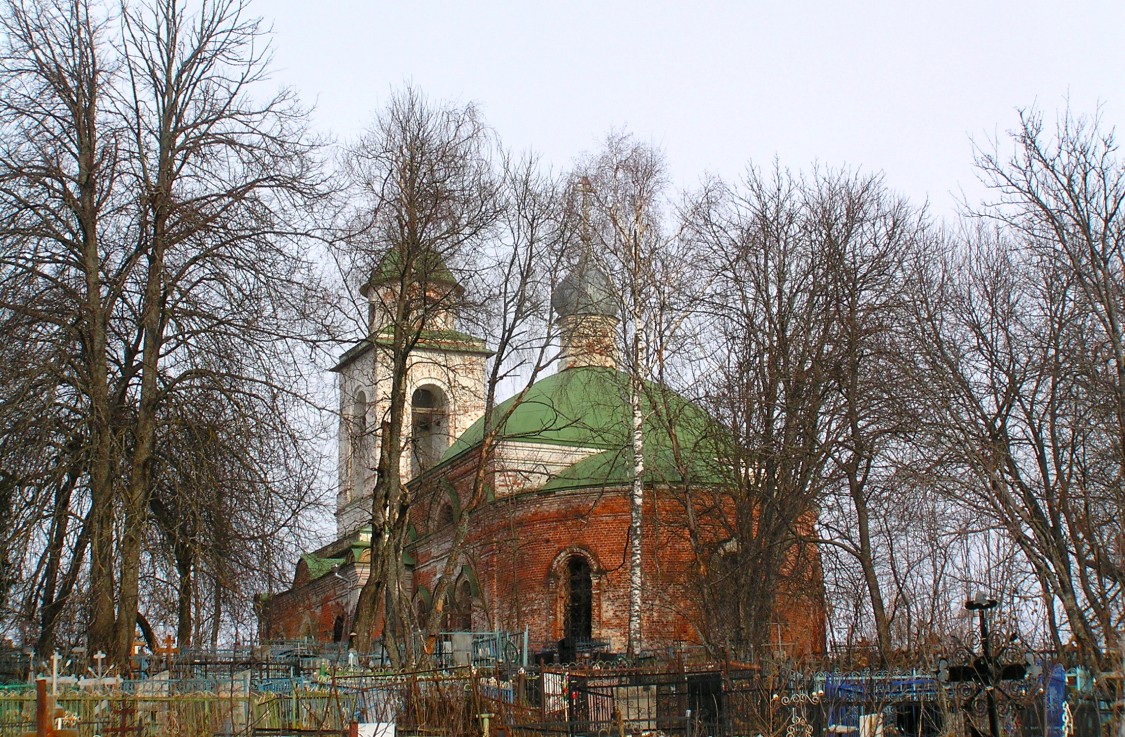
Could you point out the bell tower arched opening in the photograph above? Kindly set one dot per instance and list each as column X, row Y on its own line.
column 357, row 457
column 429, row 427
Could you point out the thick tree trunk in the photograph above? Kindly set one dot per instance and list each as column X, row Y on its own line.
column 871, row 576
column 371, row 595
column 101, row 440
column 51, row 610
column 144, row 439
column 56, row 543
column 390, row 504
column 158, row 208
column 184, row 594
column 763, row 541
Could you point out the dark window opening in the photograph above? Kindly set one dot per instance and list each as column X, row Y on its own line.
column 338, row 628
column 579, row 603
column 446, row 516
column 424, row 399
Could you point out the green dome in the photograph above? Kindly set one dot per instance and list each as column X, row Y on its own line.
column 612, row 468
column 588, row 407
column 428, row 268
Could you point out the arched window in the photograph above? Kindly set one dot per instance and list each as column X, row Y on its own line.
column 446, row 516
column 725, row 575
column 430, row 433
column 338, row 628
column 358, row 458
column 461, row 612
column 579, row 599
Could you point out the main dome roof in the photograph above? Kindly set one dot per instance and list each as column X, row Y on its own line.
column 588, row 407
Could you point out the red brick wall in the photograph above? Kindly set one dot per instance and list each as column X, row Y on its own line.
column 308, row 610
column 517, row 546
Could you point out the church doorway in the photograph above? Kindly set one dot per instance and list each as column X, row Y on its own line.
column 578, row 624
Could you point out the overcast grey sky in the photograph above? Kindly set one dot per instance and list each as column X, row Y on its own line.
column 897, row 87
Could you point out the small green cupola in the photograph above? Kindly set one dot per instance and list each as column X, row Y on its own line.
column 425, row 276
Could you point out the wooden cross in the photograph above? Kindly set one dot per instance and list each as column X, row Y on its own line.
column 168, row 647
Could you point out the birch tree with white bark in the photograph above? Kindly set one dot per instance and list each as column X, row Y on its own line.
column 630, row 225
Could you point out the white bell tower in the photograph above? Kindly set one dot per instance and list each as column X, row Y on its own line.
column 445, row 385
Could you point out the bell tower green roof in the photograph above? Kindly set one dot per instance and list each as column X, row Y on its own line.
column 428, row 268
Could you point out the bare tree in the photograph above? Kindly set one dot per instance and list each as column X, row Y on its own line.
column 772, row 386
column 628, row 227
column 58, row 151
column 866, row 237
column 1021, row 350
column 516, row 273
column 153, row 208
column 1061, row 198
column 426, row 189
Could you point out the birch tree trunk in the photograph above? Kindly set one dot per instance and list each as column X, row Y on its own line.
column 636, row 511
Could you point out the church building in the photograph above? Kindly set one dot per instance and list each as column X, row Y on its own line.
column 526, row 513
